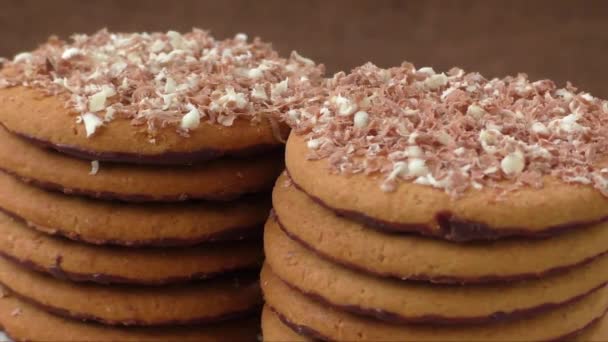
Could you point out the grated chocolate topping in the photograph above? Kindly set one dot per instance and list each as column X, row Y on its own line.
column 165, row 79
column 456, row 131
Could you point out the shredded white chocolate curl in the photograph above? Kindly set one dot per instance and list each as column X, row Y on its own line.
column 98, row 100
column 513, row 163
column 91, row 123
column 192, row 119
column 22, row 57
column 361, row 119
column 70, row 53
column 475, row 111
column 417, row 167
column 436, row 81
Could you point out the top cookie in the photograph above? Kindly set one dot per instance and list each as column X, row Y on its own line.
column 453, row 154
column 154, row 98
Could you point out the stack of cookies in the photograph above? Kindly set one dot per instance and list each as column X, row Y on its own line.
column 136, row 171
column 424, row 206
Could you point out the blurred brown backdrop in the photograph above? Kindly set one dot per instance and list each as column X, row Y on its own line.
column 563, row 40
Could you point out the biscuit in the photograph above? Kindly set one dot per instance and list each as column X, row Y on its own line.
column 152, row 97
column 45, row 120
column 202, row 302
column 416, row 302
column 25, row 322
column 527, row 211
column 132, row 224
column 221, row 179
column 413, row 257
column 452, row 154
column 297, row 310
column 102, row 264
column 274, row 330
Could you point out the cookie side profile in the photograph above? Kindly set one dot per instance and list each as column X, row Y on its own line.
column 404, row 302
column 76, row 261
column 222, row 179
column 413, row 257
column 25, row 322
column 197, row 303
column 337, row 325
column 149, row 224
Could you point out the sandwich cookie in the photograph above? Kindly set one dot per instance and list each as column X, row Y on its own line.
column 75, row 261
column 25, row 322
column 132, row 224
column 418, row 258
column 416, row 302
column 453, row 155
column 319, row 320
column 154, row 98
column 221, row 179
column 203, row 302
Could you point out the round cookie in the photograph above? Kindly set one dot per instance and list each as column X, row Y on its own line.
column 415, row 302
column 298, row 310
column 274, row 330
column 132, row 224
column 202, row 302
column 45, row 120
column 102, row 264
column 156, row 98
column 413, row 257
column 221, row 179
column 25, row 322
column 558, row 206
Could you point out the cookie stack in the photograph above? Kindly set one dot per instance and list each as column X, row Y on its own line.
column 424, row 206
column 134, row 185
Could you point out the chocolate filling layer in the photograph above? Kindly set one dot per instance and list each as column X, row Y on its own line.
column 395, row 318
column 451, row 227
column 106, row 279
column 435, row 279
column 166, row 158
column 134, row 322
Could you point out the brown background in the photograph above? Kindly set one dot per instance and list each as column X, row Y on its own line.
column 563, row 40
